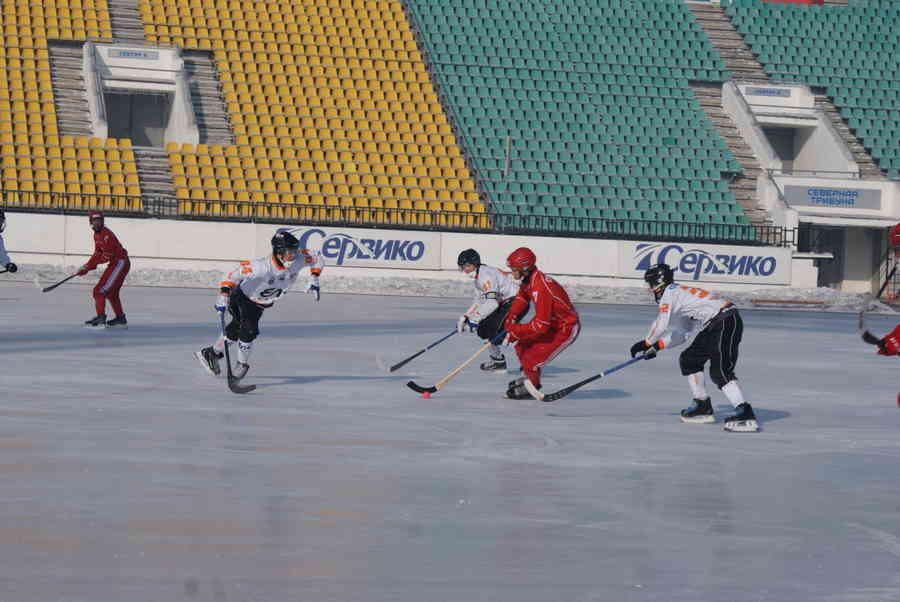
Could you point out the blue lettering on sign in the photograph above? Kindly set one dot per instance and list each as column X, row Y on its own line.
column 832, row 197
column 697, row 262
column 341, row 247
column 782, row 92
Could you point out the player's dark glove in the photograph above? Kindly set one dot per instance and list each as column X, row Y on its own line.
column 12, row 268
column 649, row 351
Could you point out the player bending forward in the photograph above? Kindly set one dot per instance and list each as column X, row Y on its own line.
column 684, row 310
column 4, row 258
column 494, row 294
column 251, row 288
column 554, row 327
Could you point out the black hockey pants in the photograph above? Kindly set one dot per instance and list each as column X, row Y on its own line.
column 490, row 326
column 245, row 315
column 718, row 343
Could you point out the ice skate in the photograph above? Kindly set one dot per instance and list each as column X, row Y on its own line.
column 743, row 421
column 118, row 322
column 700, row 412
column 497, row 365
column 240, row 370
column 517, row 390
column 97, row 322
column 209, row 359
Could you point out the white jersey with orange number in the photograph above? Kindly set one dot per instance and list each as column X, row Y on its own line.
column 264, row 280
column 683, row 310
column 492, row 287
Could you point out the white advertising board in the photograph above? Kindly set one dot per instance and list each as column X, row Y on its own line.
column 708, row 263
column 409, row 250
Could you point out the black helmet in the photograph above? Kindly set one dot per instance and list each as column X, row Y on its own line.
column 468, row 256
column 658, row 277
column 284, row 241
column 2, row 220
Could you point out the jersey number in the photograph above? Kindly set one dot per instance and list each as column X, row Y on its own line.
column 697, row 292
column 272, row 293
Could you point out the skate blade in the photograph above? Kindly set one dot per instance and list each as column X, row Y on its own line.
column 98, row 327
column 699, row 419
column 118, row 326
column 202, row 360
column 744, row 426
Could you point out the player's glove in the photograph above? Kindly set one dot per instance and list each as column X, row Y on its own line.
column 463, row 323
column 649, row 351
column 12, row 268
column 82, row 270
column 313, row 287
column 222, row 302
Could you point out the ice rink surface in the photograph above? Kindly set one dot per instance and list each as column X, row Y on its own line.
column 130, row 475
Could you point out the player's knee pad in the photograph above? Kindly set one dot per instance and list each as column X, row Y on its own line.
column 689, row 364
column 720, row 378
column 248, row 333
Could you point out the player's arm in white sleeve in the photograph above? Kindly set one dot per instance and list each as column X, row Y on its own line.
column 231, row 281
column 4, row 256
column 316, row 264
column 660, row 326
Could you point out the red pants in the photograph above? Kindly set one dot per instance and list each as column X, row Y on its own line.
column 110, row 283
column 536, row 353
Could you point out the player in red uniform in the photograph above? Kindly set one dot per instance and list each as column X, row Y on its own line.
column 889, row 344
column 554, row 327
column 107, row 249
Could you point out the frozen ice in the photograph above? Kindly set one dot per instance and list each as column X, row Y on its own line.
column 130, row 474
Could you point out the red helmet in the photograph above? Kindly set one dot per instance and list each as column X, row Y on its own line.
column 895, row 237
column 521, row 259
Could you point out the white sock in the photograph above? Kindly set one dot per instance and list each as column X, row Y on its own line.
column 733, row 392
column 244, row 350
column 496, row 352
column 698, row 387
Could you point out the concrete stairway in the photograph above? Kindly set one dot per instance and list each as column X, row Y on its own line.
column 744, row 185
column 72, row 114
column 868, row 169
column 206, row 96
column 127, row 25
column 738, row 57
column 153, row 172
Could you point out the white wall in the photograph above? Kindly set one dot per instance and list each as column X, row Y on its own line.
column 66, row 241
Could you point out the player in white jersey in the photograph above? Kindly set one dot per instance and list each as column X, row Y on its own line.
column 683, row 311
column 254, row 286
column 4, row 257
column 494, row 293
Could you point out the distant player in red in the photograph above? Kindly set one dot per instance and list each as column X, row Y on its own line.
column 107, row 249
column 554, row 327
column 890, row 343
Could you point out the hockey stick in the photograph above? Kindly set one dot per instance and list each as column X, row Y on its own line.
column 440, row 384
column 867, row 336
column 399, row 365
column 233, row 383
column 563, row 392
column 47, row 289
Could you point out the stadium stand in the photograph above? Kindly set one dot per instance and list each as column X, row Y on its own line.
column 40, row 167
column 583, row 111
column 331, row 106
column 851, row 51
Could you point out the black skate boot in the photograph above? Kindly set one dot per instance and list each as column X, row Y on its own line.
column 97, row 322
column 495, row 364
column 240, row 370
column 517, row 390
column 743, row 421
column 118, row 322
column 209, row 359
column 700, row 412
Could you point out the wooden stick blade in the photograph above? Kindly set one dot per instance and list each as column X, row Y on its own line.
column 420, row 389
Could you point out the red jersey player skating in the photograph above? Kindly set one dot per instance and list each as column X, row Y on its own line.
column 554, row 327
column 107, row 249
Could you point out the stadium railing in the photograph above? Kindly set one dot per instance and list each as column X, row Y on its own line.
column 403, row 219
